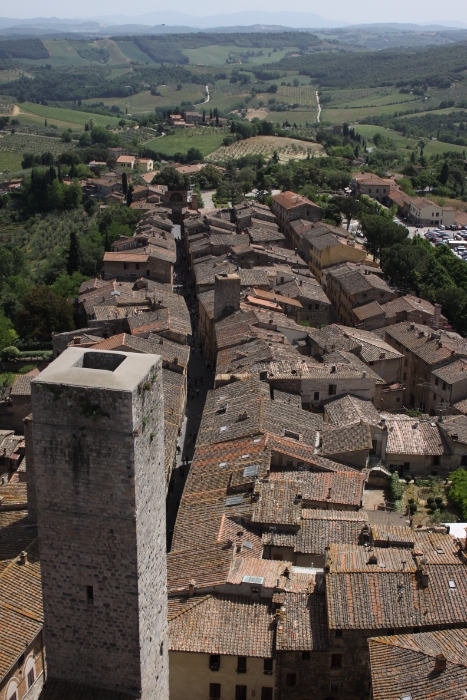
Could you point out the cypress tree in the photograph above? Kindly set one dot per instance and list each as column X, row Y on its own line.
column 124, row 183
column 73, row 254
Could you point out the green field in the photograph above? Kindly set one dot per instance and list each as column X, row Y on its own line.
column 9, row 161
column 65, row 117
column 116, row 54
column 216, row 55
column 144, row 102
column 304, row 96
column 61, row 54
column 133, row 53
column 431, row 148
column 207, row 139
column 293, row 116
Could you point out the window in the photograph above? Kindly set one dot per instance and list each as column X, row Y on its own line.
column 317, row 306
column 332, row 389
column 306, row 655
column 310, row 307
column 268, row 667
column 214, row 691
column 291, row 434
column 334, row 686
column 11, row 693
column 316, row 396
column 436, row 461
column 436, row 381
column 125, row 266
column 266, row 693
column 137, row 266
column 214, row 662
column 148, row 273
column 338, row 633
column 444, row 386
column 30, row 672
column 240, row 692
column 464, row 461
column 90, row 595
column 336, row 660
column 291, row 679
column 241, row 664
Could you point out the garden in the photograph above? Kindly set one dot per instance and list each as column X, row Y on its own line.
column 432, row 500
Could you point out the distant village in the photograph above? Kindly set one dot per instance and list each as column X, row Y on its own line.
column 202, row 494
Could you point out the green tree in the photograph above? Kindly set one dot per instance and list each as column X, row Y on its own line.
column 8, row 334
column 381, row 232
column 129, row 196
column 173, row 179
column 67, row 286
column 349, row 207
column 124, row 183
column 42, row 313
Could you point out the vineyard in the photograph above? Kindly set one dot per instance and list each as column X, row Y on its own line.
column 302, row 95
column 12, row 147
column 286, row 149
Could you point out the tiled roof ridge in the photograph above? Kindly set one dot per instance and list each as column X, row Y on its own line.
column 398, row 640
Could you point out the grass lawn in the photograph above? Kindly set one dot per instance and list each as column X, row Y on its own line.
column 70, row 116
column 206, row 139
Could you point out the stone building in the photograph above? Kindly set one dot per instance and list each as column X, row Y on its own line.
column 99, row 464
column 288, row 207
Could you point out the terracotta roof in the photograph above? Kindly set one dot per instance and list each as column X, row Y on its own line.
column 288, row 200
column 414, row 657
column 126, row 257
column 455, row 427
column 392, row 535
column 126, row 159
column 432, row 347
column 351, row 410
column 223, row 624
column 413, row 436
column 453, row 372
column 346, row 439
column 344, row 488
column 22, row 384
column 208, row 565
column 277, row 503
column 277, row 297
column 302, row 623
column 371, row 310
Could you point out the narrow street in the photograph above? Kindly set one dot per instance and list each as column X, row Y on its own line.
column 199, row 381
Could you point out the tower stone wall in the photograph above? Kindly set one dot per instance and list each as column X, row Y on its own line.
column 98, row 442
column 226, row 294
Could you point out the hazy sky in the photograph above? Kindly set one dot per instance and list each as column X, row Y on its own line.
column 363, row 11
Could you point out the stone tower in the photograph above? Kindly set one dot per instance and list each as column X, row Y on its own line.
column 226, row 294
column 98, row 443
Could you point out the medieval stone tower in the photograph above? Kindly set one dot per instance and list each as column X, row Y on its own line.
column 98, row 443
column 226, row 294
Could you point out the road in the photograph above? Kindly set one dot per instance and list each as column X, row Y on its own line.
column 207, row 199
column 318, row 116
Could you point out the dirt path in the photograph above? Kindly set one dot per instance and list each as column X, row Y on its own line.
column 318, row 116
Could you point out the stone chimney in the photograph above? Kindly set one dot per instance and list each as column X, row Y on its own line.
column 194, row 202
column 440, row 663
column 23, row 558
column 191, row 588
column 226, row 294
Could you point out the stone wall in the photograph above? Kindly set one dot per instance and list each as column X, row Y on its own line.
column 99, row 462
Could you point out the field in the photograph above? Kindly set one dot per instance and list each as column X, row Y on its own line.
column 12, row 147
column 61, row 54
column 303, row 96
column 293, row 116
column 133, row 53
column 9, row 162
column 207, row 139
column 431, row 148
column 216, row 55
column 287, row 149
column 144, row 102
column 65, row 118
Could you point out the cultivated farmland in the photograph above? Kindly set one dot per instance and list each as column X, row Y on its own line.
column 206, row 139
column 286, row 149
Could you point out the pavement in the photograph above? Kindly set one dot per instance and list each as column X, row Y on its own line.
column 207, row 199
column 200, row 380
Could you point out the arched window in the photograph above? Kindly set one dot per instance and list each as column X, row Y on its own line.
column 30, row 671
column 12, row 692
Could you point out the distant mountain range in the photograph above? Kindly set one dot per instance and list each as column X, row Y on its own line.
column 168, row 21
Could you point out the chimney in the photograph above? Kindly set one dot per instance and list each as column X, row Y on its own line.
column 440, row 663
column 191, row 588
column 333, row 369
column 23, row 558
column 436, row 315
column 194, row 202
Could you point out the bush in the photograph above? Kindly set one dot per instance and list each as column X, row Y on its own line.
column 430, row 500
column 413, row 508
column 442, row 506
column 26, row 369
column 438, row 499
column 411, row 500
column 408, row 478
column 10, row 353
column 395, row 488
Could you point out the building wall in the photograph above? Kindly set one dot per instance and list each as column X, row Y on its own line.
column 322, row 259
column 389, row 370
column 99, row 461
column 30, row 471
column 154, row 269
column 190, row 677
column 17, row 674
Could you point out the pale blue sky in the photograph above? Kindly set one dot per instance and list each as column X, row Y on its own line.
column 342, row 10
